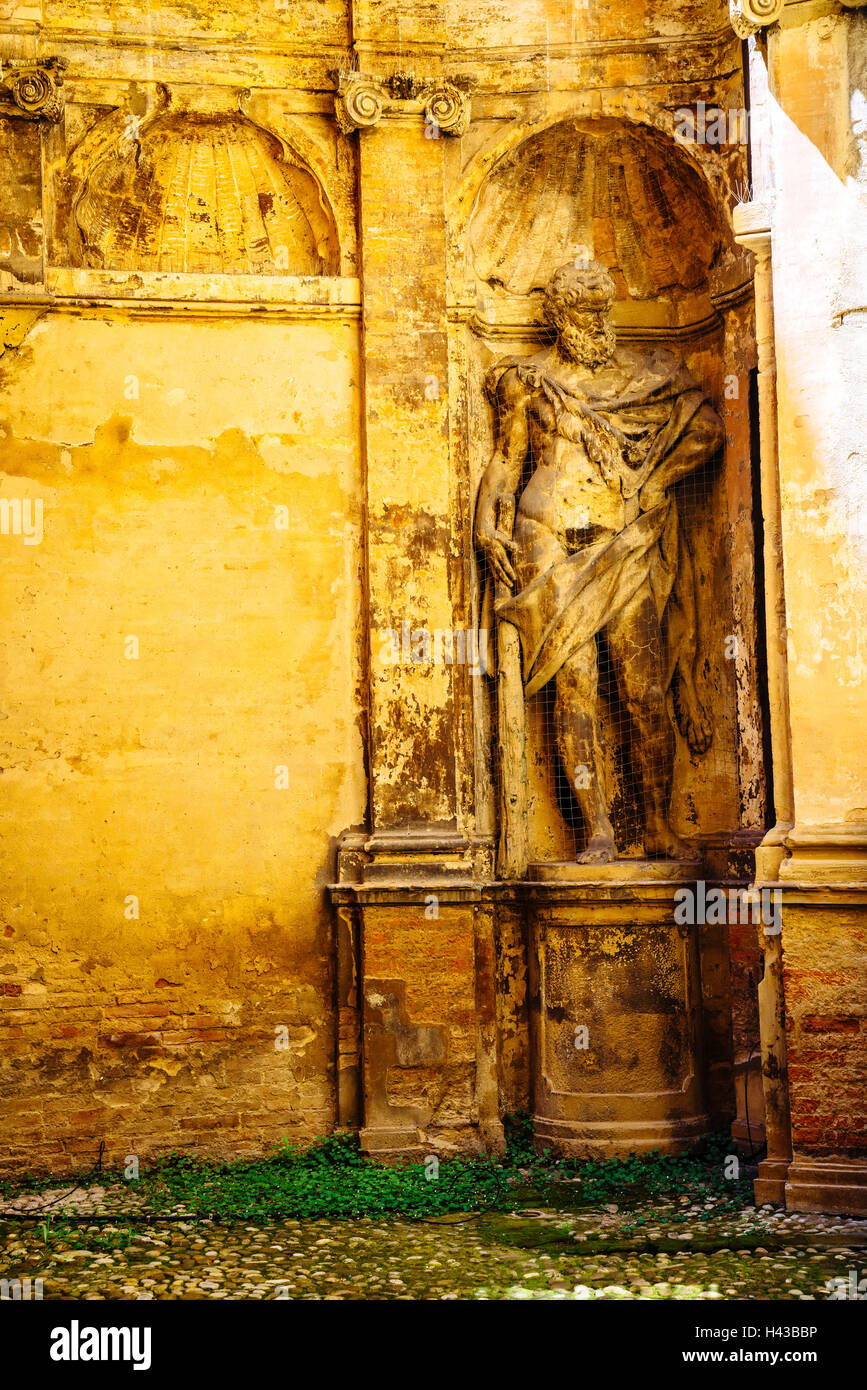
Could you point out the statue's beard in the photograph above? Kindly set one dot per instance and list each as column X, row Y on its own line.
column 590, row 347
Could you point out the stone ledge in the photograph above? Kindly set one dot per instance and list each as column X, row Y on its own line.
column 770, row 1185
column 297, row 295
column 621, row 872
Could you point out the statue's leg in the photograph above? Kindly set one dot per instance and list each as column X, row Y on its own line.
column 575, row 713
column 637, row 655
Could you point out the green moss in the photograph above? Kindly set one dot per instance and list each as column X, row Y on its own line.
column 332, row 1178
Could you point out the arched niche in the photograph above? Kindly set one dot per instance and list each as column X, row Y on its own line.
column 623, row 191
column 629, row 194
column 201, row 193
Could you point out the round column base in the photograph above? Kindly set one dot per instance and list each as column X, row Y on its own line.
column 610, row 1139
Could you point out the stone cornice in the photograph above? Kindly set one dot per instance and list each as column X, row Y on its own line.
column 752, row 226
column 153, row 294
column 302, row 63
column 373, row 53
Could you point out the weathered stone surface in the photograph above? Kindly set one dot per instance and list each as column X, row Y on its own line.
column 248, row 304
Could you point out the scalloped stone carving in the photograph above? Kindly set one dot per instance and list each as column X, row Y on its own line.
column 208, row 194
column 621, row 192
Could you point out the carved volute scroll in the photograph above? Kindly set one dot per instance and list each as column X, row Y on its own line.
column 361, row 101
column 749, row 16
column 448, row 109
column 33, row 91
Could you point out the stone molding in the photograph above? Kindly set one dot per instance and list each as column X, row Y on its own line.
column 752, row 226
column 33, row 90
column 826, row 858
column 156, row 294
column 361, row 101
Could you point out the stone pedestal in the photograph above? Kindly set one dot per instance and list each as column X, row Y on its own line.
column 416, row 1047
column 615, row 1003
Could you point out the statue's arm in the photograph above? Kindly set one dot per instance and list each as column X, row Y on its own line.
column 699, row 441
column 502, row 477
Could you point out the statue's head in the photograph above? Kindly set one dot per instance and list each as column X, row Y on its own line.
column 578, row 300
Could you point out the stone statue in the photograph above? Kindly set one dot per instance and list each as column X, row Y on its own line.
column 591, row 437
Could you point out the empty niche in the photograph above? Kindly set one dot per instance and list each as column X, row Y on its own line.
column 203, row 194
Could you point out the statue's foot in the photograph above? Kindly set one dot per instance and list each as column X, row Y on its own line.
column 692, row 718
column 600, row 850
column 663, row 841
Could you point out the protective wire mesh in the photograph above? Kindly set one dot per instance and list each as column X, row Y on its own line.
column 621, row 685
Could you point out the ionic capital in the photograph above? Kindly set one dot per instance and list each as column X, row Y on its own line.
column 361, row 101
column 32, row 90
column 749, row 16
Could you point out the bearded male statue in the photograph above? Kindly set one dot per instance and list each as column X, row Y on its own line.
column 591, row 437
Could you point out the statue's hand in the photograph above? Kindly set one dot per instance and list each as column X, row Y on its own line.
column 496, row 546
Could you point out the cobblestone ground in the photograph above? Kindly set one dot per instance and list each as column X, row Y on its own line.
column 529, row 1254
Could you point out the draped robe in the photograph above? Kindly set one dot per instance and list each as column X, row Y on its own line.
column 639, row 411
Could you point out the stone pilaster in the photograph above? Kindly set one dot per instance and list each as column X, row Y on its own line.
column 424, row 950
column 401, row 201
column 810, row 289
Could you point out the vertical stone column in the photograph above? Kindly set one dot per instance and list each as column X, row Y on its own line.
column 426, row 962
column 401, row 204
column 818, row 264
column 752, row 229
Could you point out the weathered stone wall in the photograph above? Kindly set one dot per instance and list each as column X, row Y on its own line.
column 204, row 357
column 181, row 730
column 823, row 423
column 806, row 225
column 826, row 1002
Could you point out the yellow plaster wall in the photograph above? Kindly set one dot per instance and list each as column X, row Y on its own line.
column 162, row 451
column 818, row 239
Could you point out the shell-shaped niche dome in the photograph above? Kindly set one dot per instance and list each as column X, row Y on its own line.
column 622, row 191
column 204, row 194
